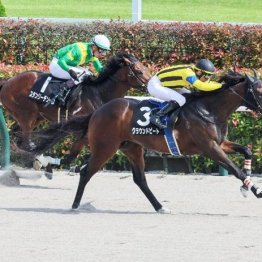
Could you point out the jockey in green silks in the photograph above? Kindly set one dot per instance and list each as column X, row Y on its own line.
column 67, row 60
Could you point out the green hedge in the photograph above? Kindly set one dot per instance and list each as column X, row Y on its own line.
column 157, row 44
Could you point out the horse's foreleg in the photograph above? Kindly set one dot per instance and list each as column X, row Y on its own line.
column 135, row 155
column 218, row 155
column 230, row 148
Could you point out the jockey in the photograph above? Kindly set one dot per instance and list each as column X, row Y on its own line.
column 170, row 83
column 66, row 61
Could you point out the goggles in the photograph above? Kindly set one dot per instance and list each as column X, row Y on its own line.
column 207, row 76
column 102, row 51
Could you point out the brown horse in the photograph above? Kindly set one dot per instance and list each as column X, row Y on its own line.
column 200, row 129
column 122, row 72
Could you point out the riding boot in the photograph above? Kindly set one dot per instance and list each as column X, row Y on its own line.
column 156, row 117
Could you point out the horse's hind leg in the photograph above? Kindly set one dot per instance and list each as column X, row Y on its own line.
column 135, row 155
column 85, row 176
column 98, row 158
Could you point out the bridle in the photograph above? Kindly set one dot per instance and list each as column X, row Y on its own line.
column 255, row 97
column 131, row 73
column 250, row 95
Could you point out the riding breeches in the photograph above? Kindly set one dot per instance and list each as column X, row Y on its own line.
column 156, row 89
column 57, row 71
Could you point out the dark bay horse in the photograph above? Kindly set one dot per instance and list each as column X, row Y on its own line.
column 122, row 72
column 200, row 129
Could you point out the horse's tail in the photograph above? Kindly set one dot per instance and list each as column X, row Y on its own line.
column 47, row 138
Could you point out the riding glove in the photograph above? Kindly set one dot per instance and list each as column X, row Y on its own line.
column 73, row 74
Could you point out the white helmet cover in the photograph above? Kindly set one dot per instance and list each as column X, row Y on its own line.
column 101, row 41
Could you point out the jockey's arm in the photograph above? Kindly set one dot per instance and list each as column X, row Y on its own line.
column 65, row 61
column 203, row 86
column 97, row 64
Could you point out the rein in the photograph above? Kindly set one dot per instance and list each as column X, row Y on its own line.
column 245, row 99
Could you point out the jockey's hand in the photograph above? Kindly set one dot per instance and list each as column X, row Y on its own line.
column 73, row 74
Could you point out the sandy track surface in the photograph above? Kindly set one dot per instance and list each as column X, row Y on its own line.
column 210, row 220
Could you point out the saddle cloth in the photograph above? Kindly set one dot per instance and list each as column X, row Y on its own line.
column 141, row 125
column 46, row 88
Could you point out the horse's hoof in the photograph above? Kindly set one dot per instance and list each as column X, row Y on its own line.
column 49, row 168
column 164, row 210
column 256, row 191
column 48, row 175
column 75, row 206
column 244, row 190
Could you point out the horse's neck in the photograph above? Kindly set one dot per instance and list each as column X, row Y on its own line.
column 234, row 98
column 225, row 103
column 114, row 87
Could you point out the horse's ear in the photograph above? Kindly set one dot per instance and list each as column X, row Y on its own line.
column 127, row 61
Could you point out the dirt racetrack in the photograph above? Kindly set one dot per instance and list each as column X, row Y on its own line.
column 210, row 220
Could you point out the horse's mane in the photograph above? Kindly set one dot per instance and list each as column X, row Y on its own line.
column 231, row 78
column 113, row 64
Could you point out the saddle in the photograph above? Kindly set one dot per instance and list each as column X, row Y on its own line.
column 141, row 125
column 141, row 118
column 47, row 89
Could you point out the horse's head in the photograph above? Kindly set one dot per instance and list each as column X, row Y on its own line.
column 254, row 94
column 124, row 69
column 137, row 75
column 251, row 86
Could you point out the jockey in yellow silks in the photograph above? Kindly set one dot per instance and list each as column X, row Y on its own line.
column 170, row 83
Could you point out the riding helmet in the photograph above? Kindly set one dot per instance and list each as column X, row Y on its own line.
column 206, row 66
column 101, row 41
